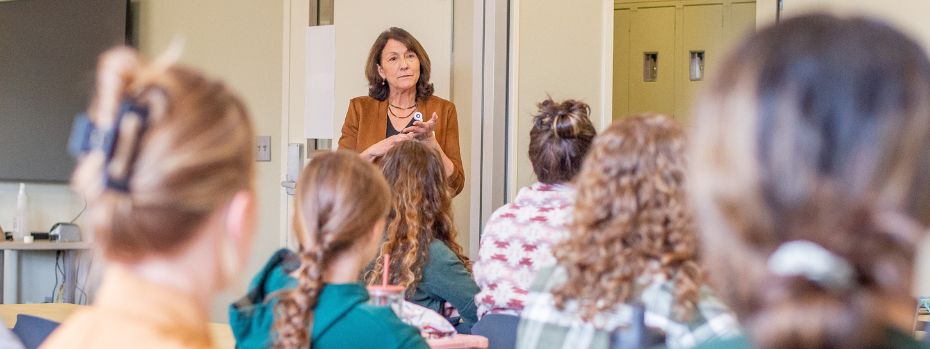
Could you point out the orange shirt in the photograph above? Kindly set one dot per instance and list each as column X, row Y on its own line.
column 366, row 124
column 133, row 313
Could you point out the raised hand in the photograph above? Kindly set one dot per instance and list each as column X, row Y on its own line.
column 422, row 130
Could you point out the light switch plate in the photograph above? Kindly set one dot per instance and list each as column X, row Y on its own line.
column 263, row 151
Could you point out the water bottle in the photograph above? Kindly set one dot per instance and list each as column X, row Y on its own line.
column 21, row 223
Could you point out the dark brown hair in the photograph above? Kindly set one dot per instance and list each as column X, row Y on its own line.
column 818, row 131
column 631, row 212
column 340, row 198
column 196, row 154
column 559, row 139
column 377, row 88
column 421, row 211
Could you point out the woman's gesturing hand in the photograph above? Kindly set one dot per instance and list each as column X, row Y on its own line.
column 422, row 130
column 378, row 149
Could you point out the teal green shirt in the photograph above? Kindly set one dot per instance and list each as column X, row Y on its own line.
column 445, row 279
column 342, row 318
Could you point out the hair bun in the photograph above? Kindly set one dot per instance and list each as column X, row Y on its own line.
column 563, row 119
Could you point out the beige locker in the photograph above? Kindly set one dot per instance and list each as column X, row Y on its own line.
column 652, row 52
column 621, row 90
column 702, row 39
column 673, row 31
column 742, row 21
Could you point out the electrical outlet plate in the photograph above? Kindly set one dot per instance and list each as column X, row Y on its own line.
column 263, row 148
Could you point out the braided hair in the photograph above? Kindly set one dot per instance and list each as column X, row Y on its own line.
column 340, row 198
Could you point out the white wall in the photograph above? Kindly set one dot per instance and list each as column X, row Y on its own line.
column 909, row 16
column 765, row 12
column 240, row 42
column 562, row 49
column 48, row 204
column 463, row 69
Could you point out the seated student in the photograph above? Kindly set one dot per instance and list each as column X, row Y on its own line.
column 631, row 242
column 313, row 298
column 518, row 238
column 420, row 237
column 811, row 163
column 171, row 203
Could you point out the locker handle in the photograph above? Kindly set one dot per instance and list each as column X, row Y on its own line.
column 650, row 66
column 696, row 65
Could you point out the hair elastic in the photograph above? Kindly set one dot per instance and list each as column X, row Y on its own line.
column 813, row 262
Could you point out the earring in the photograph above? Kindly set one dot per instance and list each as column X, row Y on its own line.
column 382, row 82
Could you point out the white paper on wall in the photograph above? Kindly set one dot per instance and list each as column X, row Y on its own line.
column 319, row 111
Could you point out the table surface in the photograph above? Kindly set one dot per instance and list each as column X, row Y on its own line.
column 46, row 245
column 221, row 333
column 459, row 341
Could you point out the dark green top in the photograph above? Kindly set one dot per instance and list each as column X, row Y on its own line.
column 342, row 318
column 893, row 339
column 445, row 279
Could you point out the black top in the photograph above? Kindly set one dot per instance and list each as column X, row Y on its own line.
column 390, row 128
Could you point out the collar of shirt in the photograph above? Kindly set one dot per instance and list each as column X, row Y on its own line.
column 136, row 299
column 545, row 195
column 334, row 302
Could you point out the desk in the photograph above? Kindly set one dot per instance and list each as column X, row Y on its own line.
column 459, row 341
column 59, row 312
column 10, row 252
column 220, row 332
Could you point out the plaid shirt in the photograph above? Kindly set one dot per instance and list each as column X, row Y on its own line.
column 544, row 326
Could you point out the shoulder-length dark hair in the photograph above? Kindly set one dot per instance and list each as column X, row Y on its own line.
column 377, row 88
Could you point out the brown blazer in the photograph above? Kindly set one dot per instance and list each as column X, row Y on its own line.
column 366, row 124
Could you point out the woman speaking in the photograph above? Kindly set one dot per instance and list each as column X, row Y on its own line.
column 400, row 106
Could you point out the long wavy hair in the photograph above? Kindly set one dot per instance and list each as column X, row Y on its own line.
column 340, row 198
column 421, row 211
column 818, row 131
column 631, row 219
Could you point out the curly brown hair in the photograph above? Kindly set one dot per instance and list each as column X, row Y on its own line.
column 421, row 211
column 631, row 214
column 340, row 199
column 377, row 88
